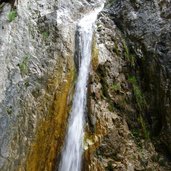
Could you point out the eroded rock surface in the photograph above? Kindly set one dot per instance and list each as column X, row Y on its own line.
column 146, row 25
column 37, row 42
column 37, row 75
column 117, row 136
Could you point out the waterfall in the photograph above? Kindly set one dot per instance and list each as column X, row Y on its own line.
column 73, row 148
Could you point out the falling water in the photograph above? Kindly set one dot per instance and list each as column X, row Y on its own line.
column 72, row 153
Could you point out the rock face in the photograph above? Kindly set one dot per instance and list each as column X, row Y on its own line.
column 37, row 71
column 146, row 25
column 37, row 42
column 37, row 75
column 109, row 143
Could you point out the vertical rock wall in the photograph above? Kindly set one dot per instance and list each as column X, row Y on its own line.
column 37, row 71
column 117, row 134
column 146, row 25
column 37, row 74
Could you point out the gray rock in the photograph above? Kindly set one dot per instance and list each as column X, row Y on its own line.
column 146, row 25
column 37, row 49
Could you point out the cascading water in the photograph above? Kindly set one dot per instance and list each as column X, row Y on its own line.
column 72, row 153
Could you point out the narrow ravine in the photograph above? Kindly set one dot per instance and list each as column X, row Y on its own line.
column 72, row 152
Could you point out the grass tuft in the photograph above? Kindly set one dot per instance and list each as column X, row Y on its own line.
column 12, row 15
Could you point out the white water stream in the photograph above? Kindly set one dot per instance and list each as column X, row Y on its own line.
column 72, row 153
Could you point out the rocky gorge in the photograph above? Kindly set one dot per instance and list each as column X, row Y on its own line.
column 128, row 114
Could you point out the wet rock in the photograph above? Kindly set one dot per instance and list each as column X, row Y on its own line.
column 36, row 80
column 114, row 111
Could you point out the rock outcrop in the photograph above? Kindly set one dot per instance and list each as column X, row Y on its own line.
column 130, row 61
column 146, row 26
column 37, row 71
column 117, row 134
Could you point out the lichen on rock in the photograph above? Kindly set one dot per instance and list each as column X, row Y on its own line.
column 51, row 129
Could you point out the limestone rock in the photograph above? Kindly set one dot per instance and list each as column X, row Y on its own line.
column 113, row 109
column 36, row 80
column 147, row 28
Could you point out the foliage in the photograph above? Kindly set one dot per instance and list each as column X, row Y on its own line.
column 111, row 107
column 116, row 86
column 45, row 34
column 132, row 80
column 142, row 131
column 140, row 100
column 24, row 66
column 144, row 127
column 129, row 57
column 135, row 132
column 141, row 103
column 12, row 15
column 115, row 48
column 125, row 48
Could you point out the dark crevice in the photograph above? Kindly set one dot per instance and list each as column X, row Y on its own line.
column 12, row 2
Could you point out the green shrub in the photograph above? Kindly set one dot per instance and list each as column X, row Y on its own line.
column 12, row 15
